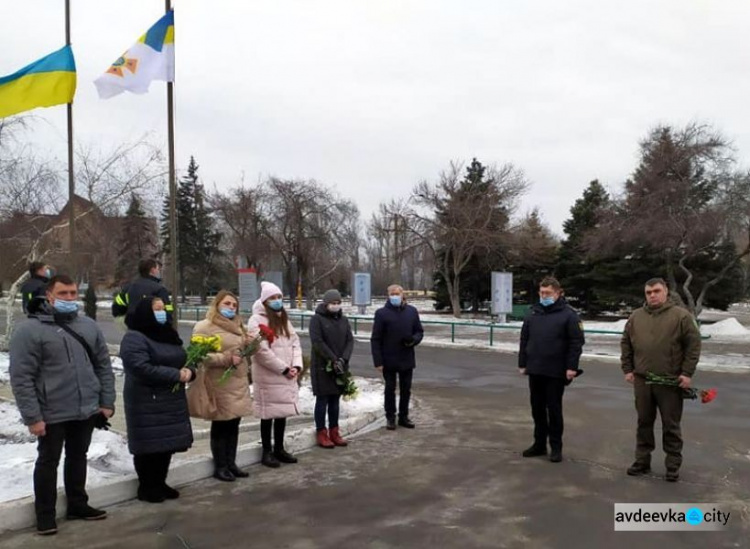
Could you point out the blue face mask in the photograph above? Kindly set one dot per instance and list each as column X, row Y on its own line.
column 227, row 313
column 276, row 304
column 48, row 273
column 160, row 316
column 547, row 301
column 395, row 300
column 62, row 306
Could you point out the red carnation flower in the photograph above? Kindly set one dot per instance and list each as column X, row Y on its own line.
column 708, row 396
column 267, row 333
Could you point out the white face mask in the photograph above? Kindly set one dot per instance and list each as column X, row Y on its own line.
column 334, row 308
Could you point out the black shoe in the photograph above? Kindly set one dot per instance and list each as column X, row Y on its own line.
column 534, row 451
column 555, row 456
column 86, row 513
column 284, row 457
column 169, row 492
column 223, row 473
column 237, row 472
column 151, row 495
column 638, row 469
column 390, row 424
column 269, row 460
column 406, row 422
column 673, row 475
column 46, row 526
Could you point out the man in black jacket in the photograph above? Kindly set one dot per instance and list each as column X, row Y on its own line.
column 148, row 284
column 395, row 332
column 551, row 344
column 33, row 290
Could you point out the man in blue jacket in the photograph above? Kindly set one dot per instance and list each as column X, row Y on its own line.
column 62, row 380
column 551, row 344
column 395, row 333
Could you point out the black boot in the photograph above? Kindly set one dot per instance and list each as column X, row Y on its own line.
column 639, row 468
column 555, row 456
column 232, row 443
column 390, row 423
column 149, row 488
column 85, row 513
column 283, row 456
column 406, row 422
column 167, row 490
column 221, row 467
column 535, row 450
column 269, row 460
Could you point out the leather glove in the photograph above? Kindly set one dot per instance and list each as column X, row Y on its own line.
column 101, row 422
column 408, row 342
column 338, row 366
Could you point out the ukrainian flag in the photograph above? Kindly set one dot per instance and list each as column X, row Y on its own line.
column 150, row 58
column 49, row 81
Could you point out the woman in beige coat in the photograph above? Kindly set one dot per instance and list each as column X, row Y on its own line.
column 230, row 399
column 275, row 367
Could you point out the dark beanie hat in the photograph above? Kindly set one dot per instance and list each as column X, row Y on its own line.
column 330, row 296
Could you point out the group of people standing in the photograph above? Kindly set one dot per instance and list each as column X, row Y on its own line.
column 659, row 338
column 62, row 379
column 64, row 386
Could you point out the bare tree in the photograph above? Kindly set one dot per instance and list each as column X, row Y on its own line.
column 122, row 172
column 459, row 218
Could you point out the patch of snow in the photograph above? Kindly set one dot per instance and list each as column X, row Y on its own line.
column 4, row 368
column 727, row 327
column 108, row 456
column 369, row 399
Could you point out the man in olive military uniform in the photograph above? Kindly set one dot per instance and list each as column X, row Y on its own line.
column 663, row 339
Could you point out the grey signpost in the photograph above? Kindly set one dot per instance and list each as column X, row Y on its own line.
column 502, row 295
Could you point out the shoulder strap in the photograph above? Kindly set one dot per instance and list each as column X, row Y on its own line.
column 80, row 340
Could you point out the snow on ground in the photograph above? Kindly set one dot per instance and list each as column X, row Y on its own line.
column 729, row 327
column 369, row 399
column 108, row 456
column 4, row 367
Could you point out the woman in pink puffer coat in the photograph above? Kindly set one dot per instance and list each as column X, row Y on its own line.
column 275, row 367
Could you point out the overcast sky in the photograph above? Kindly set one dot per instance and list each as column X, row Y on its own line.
column 373, row 96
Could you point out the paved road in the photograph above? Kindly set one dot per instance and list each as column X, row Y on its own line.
column 458, row 480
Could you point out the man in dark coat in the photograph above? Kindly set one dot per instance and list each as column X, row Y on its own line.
column 33, row 290
column 551, row 345
column 395, row 333
column 332, row 342
column 62, row 380
column 148, row 284
column 664, row 339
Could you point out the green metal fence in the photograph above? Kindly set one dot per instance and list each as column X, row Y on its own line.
column 302, row 321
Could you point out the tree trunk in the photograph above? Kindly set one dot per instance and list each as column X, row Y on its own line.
column 9, row 305
column 455, row 295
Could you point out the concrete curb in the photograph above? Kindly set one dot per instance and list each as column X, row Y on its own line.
column 19, row 514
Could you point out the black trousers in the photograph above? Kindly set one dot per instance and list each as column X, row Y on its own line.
column 404, row 392
column 225, row 436
column 75, row 436
column 546, row 409
column 278, row 426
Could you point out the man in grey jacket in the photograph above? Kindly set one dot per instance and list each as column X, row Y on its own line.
column 62, row 380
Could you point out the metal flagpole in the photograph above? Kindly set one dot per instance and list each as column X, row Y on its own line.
column 71, row 175
column 172, row 195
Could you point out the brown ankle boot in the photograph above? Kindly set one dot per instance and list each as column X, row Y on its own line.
column 323, row 440
column 336, row 437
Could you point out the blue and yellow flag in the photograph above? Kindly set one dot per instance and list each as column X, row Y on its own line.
column 49, row 81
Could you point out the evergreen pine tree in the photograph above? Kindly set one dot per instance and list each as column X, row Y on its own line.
column 137, row 240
